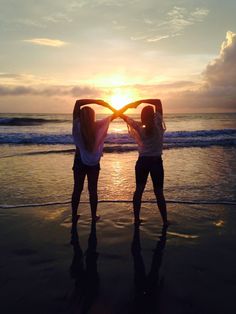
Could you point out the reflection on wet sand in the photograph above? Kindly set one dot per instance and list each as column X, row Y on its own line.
column 148, row 287
column 85, row 275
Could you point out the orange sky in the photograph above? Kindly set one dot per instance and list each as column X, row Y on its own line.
column 53, row 53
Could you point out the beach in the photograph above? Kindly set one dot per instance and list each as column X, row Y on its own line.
column 192, row 269
column 115, row 267
column 128, row 110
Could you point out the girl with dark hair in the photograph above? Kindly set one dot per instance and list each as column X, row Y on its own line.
column 149, row 136
column 89, row 136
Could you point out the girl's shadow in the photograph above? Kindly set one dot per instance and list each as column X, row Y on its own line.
column 147, row 286
column 84, row 271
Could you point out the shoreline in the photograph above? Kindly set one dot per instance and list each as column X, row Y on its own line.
column 188, row 202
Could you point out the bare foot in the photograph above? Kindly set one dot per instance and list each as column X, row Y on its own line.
column 74, row 223
column 75, row 219
column 137, row 221
column 95, row 218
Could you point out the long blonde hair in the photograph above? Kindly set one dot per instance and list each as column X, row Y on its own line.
column 87, row 127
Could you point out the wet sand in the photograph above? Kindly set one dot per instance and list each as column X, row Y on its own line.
column 114, row 267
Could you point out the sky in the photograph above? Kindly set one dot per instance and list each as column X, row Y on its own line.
column 54, row 52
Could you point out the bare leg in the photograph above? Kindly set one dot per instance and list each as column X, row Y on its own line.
column 157, row 175
column 79, row 177
column 137, row 199
column 93, row 194
column 161, row 203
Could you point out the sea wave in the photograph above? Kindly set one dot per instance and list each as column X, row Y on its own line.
column 24, row 121
column 123, row 142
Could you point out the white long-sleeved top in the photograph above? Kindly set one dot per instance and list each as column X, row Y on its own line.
column 148, row 145
column 101, row 128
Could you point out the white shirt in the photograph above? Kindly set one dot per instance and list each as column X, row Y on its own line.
column 101, row 128
column 148, row 145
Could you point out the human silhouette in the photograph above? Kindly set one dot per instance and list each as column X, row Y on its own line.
column 147, row 287
column 148, row 134
column 88, row 135
column 84, row 271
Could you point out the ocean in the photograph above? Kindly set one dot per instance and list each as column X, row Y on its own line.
column 184, row 269
column 36, row 157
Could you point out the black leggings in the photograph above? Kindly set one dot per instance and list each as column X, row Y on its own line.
column 152, row 165
column 80, row 172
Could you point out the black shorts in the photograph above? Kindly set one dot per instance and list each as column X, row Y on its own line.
column 80, row 166
column 152, row 165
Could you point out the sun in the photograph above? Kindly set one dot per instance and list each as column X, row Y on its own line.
column 121, row 98
column 118, row 101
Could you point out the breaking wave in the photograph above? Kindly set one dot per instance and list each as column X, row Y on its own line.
column 16, row 121
column 123, row 142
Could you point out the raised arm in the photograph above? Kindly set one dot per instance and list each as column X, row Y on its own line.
column 121, row 114
column 79, row 103
column 106, row 105
column 155, row 102
column 82, row 102
column 134, row 104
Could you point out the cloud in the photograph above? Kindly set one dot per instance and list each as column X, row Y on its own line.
column 14, row 91
column 217, row 90
column 157, row 38
column 57, row 18
column 179, row 18
column 26, row 79
column 85, row 91
column 199, row 14
column 218, row 87
column 46, row 42
column 90, row 91
column 10, row 75
column 73, row 91
column 222, row 71
column 175, row 22
column 213, row 91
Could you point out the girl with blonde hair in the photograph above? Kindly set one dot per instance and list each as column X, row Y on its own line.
column 149, row 136
column 89, row 136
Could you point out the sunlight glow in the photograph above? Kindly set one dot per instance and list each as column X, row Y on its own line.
column 120, row 98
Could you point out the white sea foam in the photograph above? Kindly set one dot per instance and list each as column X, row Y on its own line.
column 123, row 142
